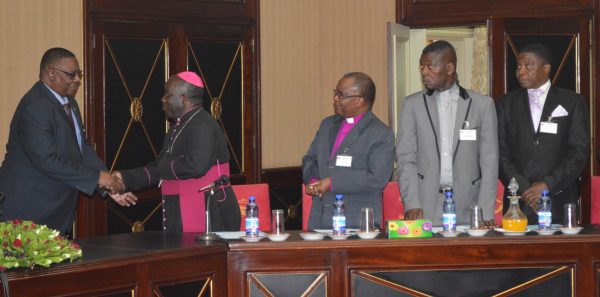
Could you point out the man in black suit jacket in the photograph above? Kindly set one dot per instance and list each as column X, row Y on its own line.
column 47, row 157
column 543, row 134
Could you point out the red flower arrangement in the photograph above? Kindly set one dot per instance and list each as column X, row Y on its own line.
column 25, row 244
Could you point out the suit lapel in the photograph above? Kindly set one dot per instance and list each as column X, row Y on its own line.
column 50, row 96
column 77, row 112
column 459, row 120
column 435, row 117
column 61, row 110
column 434, row 120
column 549, row 105
column 332, row 134
column 525, row 117
column 354, row 134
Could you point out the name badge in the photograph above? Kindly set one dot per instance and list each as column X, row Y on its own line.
column 549, row 127
column 343, row 161
column 468, row 134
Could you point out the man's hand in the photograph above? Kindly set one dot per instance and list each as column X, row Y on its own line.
column 319, row 187
column 125, row 199
column 111, row 183
column 489, row 224
column 117, row 174
column 324, row 186
column 311, row 189
column 413, row 214
column 532, row 195
column 119, row 179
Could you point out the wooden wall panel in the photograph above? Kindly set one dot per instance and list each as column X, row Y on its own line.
column 444, row 12
column 27, row 30
column 306, row 46
column 291, row 80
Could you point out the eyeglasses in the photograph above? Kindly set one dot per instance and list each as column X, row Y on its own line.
column 340, row 96
column 71, row 75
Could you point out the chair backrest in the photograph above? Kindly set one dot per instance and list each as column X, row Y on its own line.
column 261, row 193
column 306, row 205
column 393, row 209
column 499, row 200
column 391, row 204
column 595, row 209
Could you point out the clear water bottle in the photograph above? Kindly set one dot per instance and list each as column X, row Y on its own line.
column 449, row 213
column 339, row 218
column 252, row 228
column 545, row 211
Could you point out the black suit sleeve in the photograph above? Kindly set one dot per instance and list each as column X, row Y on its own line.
column 578, row 142
column 507, row 167
column 197, row 149
column 310, row 164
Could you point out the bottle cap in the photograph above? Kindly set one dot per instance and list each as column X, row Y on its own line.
column 251, row 198
column 338, row 196
column 545, row 193
column 449, row 194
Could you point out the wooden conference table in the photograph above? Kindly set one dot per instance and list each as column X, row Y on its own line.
column 157, row 264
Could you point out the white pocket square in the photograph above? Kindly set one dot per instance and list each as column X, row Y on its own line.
column 559, row 111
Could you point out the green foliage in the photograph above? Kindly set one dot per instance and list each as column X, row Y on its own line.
column 25, row 244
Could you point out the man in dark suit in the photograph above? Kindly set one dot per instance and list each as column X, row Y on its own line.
column 543, row 134
column 352, row 154
column 47, row 157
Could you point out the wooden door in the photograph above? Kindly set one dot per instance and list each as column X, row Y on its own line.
column 129, row 63
column 127, row 66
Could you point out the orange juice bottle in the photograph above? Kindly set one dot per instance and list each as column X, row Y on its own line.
column 517, row 225
column 514, row 219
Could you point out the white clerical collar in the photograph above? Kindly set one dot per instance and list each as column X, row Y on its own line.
column 350, row 120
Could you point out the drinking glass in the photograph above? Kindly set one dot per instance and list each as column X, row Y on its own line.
column 570, row 219
column 476, row 217
column 366, row 220
column 277, row 222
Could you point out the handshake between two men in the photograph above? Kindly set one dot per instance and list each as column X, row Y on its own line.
column 114, row 184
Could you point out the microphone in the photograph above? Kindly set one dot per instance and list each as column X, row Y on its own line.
column 221, row 181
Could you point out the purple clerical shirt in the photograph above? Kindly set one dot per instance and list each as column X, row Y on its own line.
column 347, row 125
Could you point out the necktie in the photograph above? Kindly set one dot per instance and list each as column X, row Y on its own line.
column 67, row 108
column 536, row 106
column 69, row 112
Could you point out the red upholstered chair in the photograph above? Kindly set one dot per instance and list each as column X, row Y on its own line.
column 306, row 205
column 261, row 192
column 393, row 209
column 392, row 204
column 595, row 211
column 499, row 200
